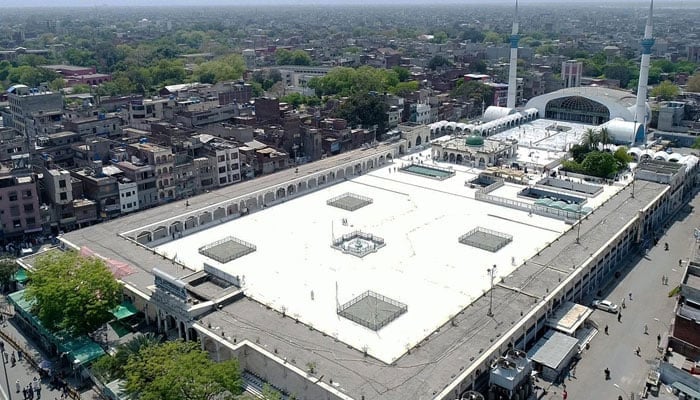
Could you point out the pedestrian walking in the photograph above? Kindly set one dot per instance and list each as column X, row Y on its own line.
column 619, row 317
column 623, row 303
column 13, row 360
column 646, row 329
column 17, row 385
column 19, row 355
column 606, row 329
column 630, row 295
column 638, row 350
column 663, row 279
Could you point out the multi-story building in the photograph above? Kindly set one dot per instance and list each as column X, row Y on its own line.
column 100, row 188
column 57, row 190
column 226, row 154
column 19, row 202
column 143, row 175
column 108, row 125
column 128, row 189
column 162, row 159
column 12, row 143
column 571, row 71
column 33, row 112
column 74, row 75
column 58, row 147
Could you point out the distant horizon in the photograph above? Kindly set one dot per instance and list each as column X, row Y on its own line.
column 323, row 3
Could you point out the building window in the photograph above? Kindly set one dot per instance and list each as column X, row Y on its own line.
column 62, row 183
column 16, row 223
column 13, row 196
column 14, row 211
column 63, row 196
column 28, row 207
column 27, row 194
column 30, row 221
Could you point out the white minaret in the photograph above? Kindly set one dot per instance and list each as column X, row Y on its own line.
column 640, row 112
column 513, row 70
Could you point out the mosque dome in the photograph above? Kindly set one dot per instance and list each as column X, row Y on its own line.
column 474, row 141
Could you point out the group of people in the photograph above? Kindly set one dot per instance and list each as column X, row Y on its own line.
column 32, row 389
column 10, row 358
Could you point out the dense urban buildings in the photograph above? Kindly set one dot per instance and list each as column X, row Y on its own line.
column 360, row 206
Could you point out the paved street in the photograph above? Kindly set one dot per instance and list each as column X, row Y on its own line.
column 650, row 305
column 24, row 373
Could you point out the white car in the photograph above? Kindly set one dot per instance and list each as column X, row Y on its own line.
column 606, row 305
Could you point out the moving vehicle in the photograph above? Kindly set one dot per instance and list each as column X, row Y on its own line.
column 606, row 305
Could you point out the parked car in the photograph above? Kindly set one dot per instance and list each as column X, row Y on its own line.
column 606, row 305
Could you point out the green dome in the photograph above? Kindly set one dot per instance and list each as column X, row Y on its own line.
column 474, row 141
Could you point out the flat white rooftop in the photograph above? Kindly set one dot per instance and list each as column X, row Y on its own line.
column 543, row 140
column 295, row 269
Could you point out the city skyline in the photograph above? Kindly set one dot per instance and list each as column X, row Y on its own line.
column 269, row 3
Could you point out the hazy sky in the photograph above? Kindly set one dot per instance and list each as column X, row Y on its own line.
column 249, row 3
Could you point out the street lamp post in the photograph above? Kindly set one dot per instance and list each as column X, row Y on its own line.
column 7, row 381
column 578, row 227
column 491, row 272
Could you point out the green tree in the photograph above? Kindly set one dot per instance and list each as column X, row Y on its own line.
column 620, row 72
column 473, row 90
column 404, row 88
column 666, row 91
column 8, row 268
column 226, row 69
column 72, row 292
column 696, row 144
column 402, row 73
column 296, row 57
column 604, row 136
column 493, row 37
column 343, row 81
column 591, row 139
column 111, row 367
column 269, row 393
column 80, row 88
column 365, row 110
column 439, row 37
column 622, row 157
column 179, row 370
column 438, row 61
column 473, row 35
column 578, row 152
column 600, row 164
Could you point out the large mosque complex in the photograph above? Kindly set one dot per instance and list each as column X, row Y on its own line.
column 421, row 268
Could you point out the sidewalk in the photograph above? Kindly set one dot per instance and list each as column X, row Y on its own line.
column 33, row 355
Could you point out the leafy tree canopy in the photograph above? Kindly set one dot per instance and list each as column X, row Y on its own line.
column 8, row 268
column 180, row 370
column 345, row 81
column 296, row 57
column 473, row 90
column 72, row 292
column 694, row 83
column 365, row 110
column 225, row 69
column 111, row 367
column 622, row 158
column 666, row 91
column 600, row 164
column 438, row 61
column 473, row 35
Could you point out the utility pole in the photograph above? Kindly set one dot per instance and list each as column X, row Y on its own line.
column 491, row 272
column 7, row 381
